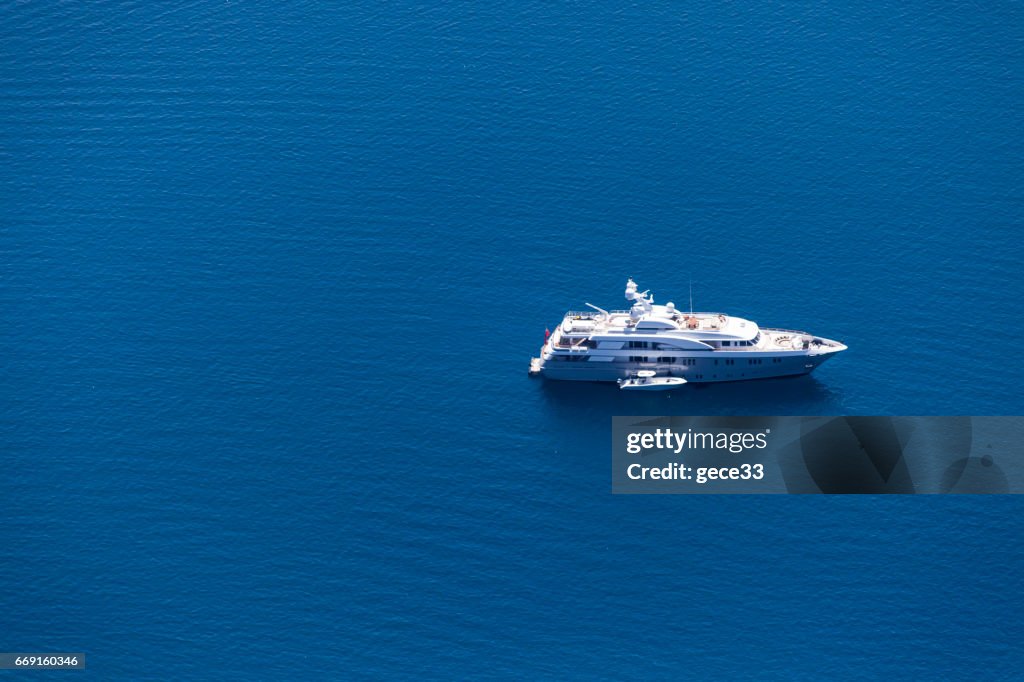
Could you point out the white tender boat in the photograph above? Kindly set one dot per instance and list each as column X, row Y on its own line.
column 646, row 380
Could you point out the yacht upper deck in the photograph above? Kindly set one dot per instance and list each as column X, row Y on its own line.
column 662, row 320
column 647, row 326
column 645, row 321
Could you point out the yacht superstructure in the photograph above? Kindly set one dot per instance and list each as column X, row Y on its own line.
column 598, row 345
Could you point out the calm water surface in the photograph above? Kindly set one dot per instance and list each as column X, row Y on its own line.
column 272, row 274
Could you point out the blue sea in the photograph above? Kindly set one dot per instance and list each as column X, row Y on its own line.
column 271, row 274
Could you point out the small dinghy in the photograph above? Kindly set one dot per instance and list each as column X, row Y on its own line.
column 646, row 380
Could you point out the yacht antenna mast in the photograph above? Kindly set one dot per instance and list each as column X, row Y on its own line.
column 691, row 295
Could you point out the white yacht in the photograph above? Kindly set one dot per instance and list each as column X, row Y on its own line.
column 642, row 347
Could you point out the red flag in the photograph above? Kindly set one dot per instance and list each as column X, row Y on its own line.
column 547, row 334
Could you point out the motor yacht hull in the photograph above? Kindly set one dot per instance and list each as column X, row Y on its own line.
column 704, row 369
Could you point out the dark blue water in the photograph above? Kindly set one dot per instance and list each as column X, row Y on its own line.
column 272, row 273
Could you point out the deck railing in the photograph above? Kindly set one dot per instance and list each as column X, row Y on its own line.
column 591, row 315
column 784, row 331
